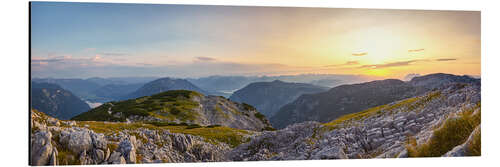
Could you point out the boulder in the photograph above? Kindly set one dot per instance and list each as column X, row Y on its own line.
column 100, row 155
column 41, row 148
column 98, row 140
column 53, row 121
column 127, row 149
column 181, row 142
column 107, row 155
column 116, row 158
column 79, row 141
column 458, row 151
column 53, row 158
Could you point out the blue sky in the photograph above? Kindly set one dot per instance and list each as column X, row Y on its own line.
column 117, row 40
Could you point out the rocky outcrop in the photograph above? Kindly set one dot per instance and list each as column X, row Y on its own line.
column 380, row 132
column 42, row 150
column 81, row 145
column 292, row 143
column 178, row 148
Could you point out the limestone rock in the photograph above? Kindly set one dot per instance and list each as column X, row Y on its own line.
column 98, row 140
column 41, row 148
column 116, row 158
column 100, row 156
column 128, row 150
column 79, row 141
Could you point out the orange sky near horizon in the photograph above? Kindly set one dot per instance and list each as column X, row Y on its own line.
column 401, row 42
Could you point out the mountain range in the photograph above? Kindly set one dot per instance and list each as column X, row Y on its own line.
column 226, row 85
column 269, row 97
column 98, row 89
column 112, row 92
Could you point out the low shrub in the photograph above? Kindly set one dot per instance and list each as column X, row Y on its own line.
column 248, row 106
column 453, row 132
column 268, row 128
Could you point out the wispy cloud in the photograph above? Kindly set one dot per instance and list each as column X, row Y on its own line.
column 51, row 59
column 360, row 54
column 202, row 58
column 416, row 50
column 144, row 64
column 446, row 59
column 393, row 64
column 348, row 63
column 113, row 54
column 45, row 60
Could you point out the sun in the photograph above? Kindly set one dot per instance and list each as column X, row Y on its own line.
column 377, row 72
column 380, row 44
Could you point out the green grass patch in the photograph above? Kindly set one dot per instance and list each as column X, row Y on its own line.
column 170, row 105
column 452, row 133
column 213, row 134
column 66, row 157
column 260, row 116
column 354, row 116
column 268, row 128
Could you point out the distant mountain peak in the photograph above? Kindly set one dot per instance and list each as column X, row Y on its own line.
column 55, row 101
column 162, row 85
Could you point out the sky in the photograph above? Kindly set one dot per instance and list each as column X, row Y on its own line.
column 82, row 40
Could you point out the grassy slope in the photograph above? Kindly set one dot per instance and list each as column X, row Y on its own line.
column 168, row 105
column 401, row 106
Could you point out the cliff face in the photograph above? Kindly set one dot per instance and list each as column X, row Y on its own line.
column 443, row 122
